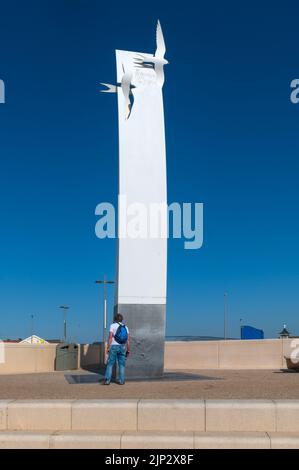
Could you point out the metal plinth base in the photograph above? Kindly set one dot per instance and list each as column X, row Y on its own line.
column 146, row 323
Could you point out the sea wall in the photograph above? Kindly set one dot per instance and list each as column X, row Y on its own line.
column 183, row 355
column 231, row 354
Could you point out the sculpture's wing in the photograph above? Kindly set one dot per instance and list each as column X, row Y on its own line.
column 159, row 69
column 142, row 56
column 126, row 89
column 129, row 99
column 126, row 84
column 142, row 60
column 109, row 88
column 143, row 65
column 127, row 107
column 161, row 48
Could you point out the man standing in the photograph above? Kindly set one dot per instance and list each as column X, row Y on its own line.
column 118, row 349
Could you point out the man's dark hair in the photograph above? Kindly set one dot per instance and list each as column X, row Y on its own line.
column 118, row 318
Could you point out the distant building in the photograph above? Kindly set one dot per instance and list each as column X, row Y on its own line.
column 12, row 340
column 34, row 340
column 284, row 332
column 249, row 332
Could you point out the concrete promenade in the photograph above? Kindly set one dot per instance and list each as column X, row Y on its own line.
column 201, row 384
column 241, row 396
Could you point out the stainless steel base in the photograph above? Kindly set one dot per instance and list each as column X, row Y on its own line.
column 146, row 323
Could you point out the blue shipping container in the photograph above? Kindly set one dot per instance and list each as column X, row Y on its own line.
column 248, row 332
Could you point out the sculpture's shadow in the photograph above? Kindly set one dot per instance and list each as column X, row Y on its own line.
column 286, row 371
column 175, row 376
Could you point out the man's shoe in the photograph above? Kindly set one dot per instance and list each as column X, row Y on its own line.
column 106, row 382
column 121, row 383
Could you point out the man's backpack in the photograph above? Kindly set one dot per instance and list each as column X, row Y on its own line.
column 121, row 335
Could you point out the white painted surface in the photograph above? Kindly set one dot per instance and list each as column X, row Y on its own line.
column 142, row 178
column 34, row 339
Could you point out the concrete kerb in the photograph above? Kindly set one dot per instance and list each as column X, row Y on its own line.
column 284, row 440
column 104, row 415
column 39, row 415
column 171, row 415
column 85, row 440
column 139, row 415
column 231, row 440
column 240, row 416
column 157, row 440
column 146, row 440
column 24, row 440
column 4, row 413
column 287, row 415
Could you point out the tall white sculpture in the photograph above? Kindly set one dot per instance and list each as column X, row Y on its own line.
column 142, row 262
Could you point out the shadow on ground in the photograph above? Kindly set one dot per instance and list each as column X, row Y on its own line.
column 95, row 368
column 284, row 371
column 98, row 376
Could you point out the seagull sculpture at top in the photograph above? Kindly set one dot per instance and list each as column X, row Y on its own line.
column 126, row 86
column 157, row 61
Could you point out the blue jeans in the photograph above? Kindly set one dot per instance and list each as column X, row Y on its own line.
column 116, row 353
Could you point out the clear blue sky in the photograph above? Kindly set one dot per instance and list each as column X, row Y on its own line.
column 232, row 143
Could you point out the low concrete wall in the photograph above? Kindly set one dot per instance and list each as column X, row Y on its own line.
column 231, row 354
column 26, row 358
